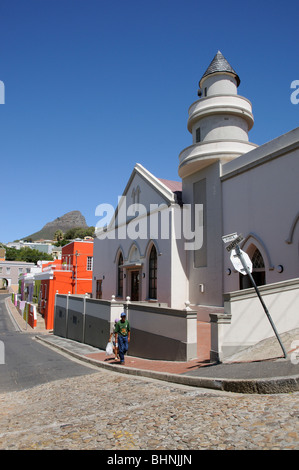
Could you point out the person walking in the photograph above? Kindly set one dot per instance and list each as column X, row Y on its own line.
column 122, row 336
column 112, row 340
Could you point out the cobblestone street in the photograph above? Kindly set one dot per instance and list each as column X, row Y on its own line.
column 107, row 410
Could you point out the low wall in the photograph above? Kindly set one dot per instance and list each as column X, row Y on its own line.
column 85, row 320
column 245, row 323
column 26, row 309
column 156, row 332
column 29, row 314
column 163, row 333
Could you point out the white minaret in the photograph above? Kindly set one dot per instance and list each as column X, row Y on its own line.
column 219, row 121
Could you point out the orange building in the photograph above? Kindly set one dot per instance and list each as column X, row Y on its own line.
column 72, row 274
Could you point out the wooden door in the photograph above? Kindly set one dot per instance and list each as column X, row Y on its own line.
column 135, row 285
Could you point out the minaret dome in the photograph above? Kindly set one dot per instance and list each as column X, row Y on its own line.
column 219, row 121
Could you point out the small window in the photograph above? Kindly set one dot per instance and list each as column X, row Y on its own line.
column 99, row 292
column 89, row 263
column 137, row 194
column 198, row 134
column 133, row 196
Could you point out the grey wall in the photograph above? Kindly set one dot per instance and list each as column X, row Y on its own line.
column 156, row 332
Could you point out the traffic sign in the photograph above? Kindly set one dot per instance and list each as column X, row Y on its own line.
column 235, row 242
column 230, row 237
column 243, row 264
column 237, row 263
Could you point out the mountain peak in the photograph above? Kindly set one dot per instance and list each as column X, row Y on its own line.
column 72, row 219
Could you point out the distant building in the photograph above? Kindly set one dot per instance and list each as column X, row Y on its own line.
column 71, row 274
column 10, row 272
column 44, row 247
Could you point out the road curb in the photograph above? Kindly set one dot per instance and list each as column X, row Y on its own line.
column 11, row 316
column 247, row 386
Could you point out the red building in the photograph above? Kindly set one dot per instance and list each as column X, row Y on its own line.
column 72, row 274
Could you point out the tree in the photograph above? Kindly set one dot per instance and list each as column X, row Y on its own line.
column 58, row 235
column 73, row 233
column 26, row 254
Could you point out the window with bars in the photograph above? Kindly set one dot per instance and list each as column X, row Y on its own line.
column 258, row 271
column 89, row 263
column 153, row 273
column 257, row 260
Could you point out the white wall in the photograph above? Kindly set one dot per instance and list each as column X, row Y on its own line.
column 249, row 323
column 171, row 276
column 205, row 282
column 260, row 201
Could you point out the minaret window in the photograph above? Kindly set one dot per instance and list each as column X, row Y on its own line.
column 197, row 137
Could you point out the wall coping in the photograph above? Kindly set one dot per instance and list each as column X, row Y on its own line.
column 163, row 310
column 160, row 310
column 88, row 299
column 268, row 289
column 220, row 317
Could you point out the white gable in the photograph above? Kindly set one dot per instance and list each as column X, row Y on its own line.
column 142, row 195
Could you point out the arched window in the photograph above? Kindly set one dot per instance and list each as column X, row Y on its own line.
column 133, row 196
column 120, row 276
column 258, row 271
column 152, row 293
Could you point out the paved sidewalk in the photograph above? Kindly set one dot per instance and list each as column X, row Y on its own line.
column 259, row 369
column 265, row 376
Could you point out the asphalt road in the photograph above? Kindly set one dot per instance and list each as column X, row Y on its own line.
column 26, row 362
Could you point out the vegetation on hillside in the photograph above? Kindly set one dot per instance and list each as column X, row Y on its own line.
column 26, row 254
column 32, row 256
column 71, row 234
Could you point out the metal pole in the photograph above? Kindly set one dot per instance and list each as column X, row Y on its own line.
column 76, row 254
column 240, row 256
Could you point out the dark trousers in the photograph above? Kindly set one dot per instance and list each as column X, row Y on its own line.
column 122, row 346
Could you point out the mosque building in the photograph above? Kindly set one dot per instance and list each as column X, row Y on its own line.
column 227, row 185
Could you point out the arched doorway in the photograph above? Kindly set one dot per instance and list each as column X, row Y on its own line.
column 135, row 277
column 133, row 272
column 3, row 284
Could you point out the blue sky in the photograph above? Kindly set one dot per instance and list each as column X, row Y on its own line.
column 94, row 86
